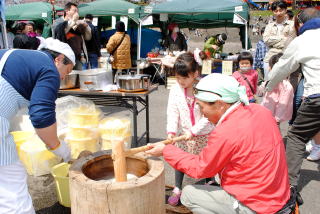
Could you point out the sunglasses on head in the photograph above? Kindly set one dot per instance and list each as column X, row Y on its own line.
column 196, row 91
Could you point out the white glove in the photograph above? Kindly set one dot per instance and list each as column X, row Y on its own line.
column 63, row 151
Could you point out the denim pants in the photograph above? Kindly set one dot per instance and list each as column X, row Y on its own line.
column 305, row 126
column 93, row 61
column 297, row 100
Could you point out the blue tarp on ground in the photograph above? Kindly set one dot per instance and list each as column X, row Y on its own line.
column 150, row 39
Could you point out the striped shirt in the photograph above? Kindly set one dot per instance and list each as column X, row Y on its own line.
column 27, row 76
column 35, row 77
column 10, row 102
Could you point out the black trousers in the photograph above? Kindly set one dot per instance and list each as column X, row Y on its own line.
column 305, row 126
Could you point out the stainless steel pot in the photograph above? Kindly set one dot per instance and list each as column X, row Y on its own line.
column 95, row 79
column 133, row 82
column 70, row 81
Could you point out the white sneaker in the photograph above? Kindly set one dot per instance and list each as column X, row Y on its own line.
column 314, row 154
column 309, row 145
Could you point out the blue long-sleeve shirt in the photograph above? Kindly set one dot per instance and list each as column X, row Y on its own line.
column 34, row 75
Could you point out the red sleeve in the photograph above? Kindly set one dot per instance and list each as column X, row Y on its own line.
column 214, row 157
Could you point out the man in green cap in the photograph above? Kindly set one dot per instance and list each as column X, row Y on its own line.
column 245, row 149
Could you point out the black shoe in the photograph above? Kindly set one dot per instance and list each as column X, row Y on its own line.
column 299, row 199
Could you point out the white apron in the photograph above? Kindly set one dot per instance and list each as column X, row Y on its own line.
column 14, row 195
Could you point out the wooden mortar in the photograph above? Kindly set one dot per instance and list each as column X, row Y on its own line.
column 91, row 193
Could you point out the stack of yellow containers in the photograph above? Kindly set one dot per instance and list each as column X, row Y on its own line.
column 115, row 128
column 82, row 130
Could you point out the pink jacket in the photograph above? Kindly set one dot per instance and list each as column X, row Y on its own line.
column 179, row 117
column 252, row 77
column 280, row 101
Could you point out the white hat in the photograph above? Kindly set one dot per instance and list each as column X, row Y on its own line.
column 59, row 47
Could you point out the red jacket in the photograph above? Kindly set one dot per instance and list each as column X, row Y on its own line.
column 247, row 151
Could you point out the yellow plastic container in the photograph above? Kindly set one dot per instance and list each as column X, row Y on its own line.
column 106, row 143
column 84, row 117
column 20, row 137
column 60, row 174
column 111, row 128
column 79, row 145
column 80, row 133
column 36, row 158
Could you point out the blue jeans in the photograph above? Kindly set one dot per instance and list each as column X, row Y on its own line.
column 253, row 100
column 93, row 60
column 297, row 100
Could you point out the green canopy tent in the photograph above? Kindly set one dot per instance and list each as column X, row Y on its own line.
column 31, row 11
column 108, row 8
column 41, row 12
column 204, row 13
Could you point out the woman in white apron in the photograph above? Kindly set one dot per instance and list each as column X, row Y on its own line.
column 14, row 195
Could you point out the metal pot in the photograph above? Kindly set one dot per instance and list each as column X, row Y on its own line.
column 95, row 79
column 133, row 82
column 70, row 81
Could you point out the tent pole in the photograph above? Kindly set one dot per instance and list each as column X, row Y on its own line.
column 139, row 46
column 4, row 34
column 246, row 36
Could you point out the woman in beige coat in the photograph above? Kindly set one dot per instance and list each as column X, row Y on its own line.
column 121, row 53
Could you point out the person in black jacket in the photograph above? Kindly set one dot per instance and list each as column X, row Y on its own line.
column 74, row 32
column 175, row 41
column 93, row 45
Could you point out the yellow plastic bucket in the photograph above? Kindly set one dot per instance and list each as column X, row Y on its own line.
column 60, row 174
column 21, row 137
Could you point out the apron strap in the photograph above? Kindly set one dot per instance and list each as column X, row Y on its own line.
column 4, row 59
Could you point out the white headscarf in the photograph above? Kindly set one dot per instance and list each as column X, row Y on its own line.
column 221, row 87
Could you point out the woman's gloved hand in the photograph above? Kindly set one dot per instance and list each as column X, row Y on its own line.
column 63, row 151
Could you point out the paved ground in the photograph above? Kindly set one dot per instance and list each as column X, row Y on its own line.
column 43, row 192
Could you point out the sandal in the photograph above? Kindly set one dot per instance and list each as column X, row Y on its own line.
column 174, row 199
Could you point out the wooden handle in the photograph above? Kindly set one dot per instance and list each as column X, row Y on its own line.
column 147, row 147
column 119, row 161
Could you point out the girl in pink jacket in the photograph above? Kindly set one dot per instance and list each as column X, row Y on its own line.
column 280, row 100
column 184, row 116
column 247, row 76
